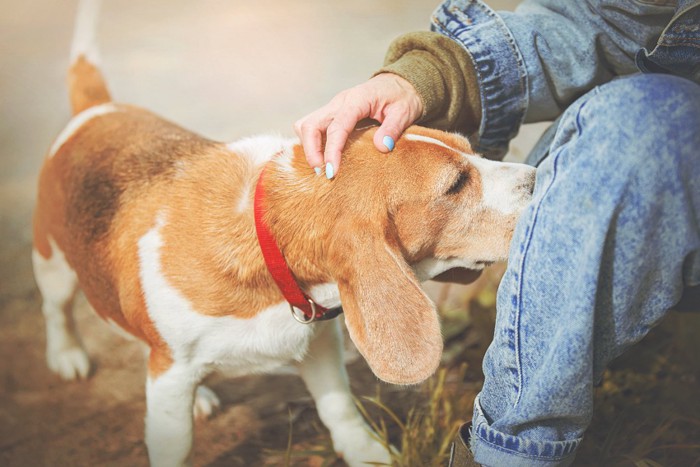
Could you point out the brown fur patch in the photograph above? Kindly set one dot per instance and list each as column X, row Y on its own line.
column 86, row 86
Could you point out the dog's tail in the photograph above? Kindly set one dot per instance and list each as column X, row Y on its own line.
column 86, row 86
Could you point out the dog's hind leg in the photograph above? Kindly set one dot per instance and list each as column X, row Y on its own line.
column 323, row 371
column 58, row 285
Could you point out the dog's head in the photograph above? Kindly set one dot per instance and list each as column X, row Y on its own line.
column 428, row 205
column 388, row 221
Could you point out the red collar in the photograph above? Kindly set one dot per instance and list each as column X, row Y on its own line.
column 279, row 269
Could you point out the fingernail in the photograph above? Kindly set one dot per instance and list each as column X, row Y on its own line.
column 317, row 170
column 388, row 142
column 329, row 170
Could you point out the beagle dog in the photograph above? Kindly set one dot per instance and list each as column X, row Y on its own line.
column 156, row 225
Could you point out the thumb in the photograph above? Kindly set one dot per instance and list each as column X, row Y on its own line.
column 390, row 130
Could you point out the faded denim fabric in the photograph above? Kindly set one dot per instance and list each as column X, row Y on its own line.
column 604, row 250
column 677, row 50
column 613, row 233
column 533, row 63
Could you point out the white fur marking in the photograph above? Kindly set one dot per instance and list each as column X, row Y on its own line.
column 261, row 148
column 58, row 283
column 244, row 202
column 502, row 184
column 78, row 121
column 169, row 427
column 234, row 346
column 284, row 161
column 84, row 42
column 427, row 139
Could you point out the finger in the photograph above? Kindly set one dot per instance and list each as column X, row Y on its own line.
column 310, row 134
column 336, row 137
column 394, row 124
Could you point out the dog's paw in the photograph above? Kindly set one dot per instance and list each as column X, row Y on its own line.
column 70, row 363
column 206, row 402
column 360, row 447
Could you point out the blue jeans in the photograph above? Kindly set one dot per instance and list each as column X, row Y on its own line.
column 601, row 254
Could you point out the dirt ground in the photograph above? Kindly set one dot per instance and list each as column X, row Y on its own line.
column 228, row 70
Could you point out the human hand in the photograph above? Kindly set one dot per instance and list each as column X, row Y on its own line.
column 387, row 98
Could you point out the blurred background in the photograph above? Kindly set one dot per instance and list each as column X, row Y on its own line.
column 229, row 69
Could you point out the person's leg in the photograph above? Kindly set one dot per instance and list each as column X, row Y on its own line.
column 602, row 253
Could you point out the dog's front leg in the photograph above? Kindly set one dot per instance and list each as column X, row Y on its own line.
column 169, row 417
column 323, row 371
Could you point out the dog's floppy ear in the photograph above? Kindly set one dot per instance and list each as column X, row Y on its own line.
column 390, row 319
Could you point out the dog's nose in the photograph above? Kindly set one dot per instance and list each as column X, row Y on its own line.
column 531, row 185
column 528, row 185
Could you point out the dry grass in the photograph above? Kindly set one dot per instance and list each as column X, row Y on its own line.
column 647, row 408
column 426, row 432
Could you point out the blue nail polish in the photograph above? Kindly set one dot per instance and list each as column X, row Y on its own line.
column 329, row 171
column 388, row 142
column 317, row 170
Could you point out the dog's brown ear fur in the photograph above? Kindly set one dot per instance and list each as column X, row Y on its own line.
column 390, row 319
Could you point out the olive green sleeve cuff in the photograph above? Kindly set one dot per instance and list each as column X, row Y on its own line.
column 444, row 76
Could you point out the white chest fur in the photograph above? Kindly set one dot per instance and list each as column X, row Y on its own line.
column 231, row 345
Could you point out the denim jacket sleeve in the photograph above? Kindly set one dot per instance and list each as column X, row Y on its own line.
column 533, row 62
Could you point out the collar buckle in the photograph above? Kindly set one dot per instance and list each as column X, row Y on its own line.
column 301, row 316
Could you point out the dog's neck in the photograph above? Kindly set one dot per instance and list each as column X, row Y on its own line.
column 300, row 211
column 307, row 212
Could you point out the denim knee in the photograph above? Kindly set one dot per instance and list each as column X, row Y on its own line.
column 595, row 261
column 649, row 120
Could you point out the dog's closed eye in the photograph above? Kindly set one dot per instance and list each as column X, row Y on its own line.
column 458, row 184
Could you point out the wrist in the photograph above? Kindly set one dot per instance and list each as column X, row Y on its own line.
column 409, row 95
column 421, row 82
column 443, row 74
